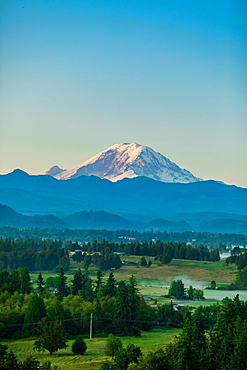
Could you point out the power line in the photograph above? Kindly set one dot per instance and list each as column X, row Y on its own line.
column 88, row 317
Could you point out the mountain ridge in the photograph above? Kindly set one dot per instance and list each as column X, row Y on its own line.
column 104, row 220
column 39, row 194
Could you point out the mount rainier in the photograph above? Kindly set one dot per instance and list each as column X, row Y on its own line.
column 127, row 161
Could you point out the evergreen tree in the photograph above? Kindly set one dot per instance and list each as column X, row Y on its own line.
column 87, row 288
column 79, row 346
column 122, row 309
column 62, row 289
column 110, row 286
column 143, row 262
column 77, row 282
column 40, row 283
column 99, row 283
column 133, row 297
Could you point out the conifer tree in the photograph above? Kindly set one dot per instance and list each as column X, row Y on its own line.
column 99, row 283
column 77, row 282
column 40, row 283
column 62, row 289
column 111, row 286
column 122, row 313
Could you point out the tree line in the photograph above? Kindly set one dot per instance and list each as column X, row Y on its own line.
column 164, row 252
column 34, row 254
column 218, row 240
column 39, row 255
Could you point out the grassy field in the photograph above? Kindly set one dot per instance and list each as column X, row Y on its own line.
column 201, row 273
column 155, row 281
column 149, row 341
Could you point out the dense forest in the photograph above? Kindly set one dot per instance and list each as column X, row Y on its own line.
column 210, row 240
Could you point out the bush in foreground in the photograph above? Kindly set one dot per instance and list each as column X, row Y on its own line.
column 79, row 346
column 113, row 345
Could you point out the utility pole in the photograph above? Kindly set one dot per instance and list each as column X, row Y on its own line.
column 91, row 325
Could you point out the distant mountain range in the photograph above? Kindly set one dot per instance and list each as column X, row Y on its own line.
column 221, row 223
column 154, row 193
column 127, row 161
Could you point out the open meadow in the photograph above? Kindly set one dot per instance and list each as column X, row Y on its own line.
column 197, row 272
column 94, row 356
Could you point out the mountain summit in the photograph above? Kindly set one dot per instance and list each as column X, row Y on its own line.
column 127, row 161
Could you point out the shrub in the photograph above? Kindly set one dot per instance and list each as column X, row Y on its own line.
column 79, row 346
column 113, row 345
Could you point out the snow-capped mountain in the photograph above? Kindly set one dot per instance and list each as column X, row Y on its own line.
column 127, row 160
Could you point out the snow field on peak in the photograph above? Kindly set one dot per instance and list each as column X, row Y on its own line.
column 129, row 160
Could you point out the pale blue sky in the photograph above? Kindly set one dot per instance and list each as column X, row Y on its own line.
column 79, row 76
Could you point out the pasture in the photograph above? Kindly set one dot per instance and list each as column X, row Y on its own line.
column 149, row 341
column 197, row 273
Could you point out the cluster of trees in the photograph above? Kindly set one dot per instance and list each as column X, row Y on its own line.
column 240, row 259
column 101, row 261
column 178, row 290
column 116, row 308
column 164, row 252
column 15, row 281
column 223, row 347
column 209, row 239
column 144, row 262
column 35, row 254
